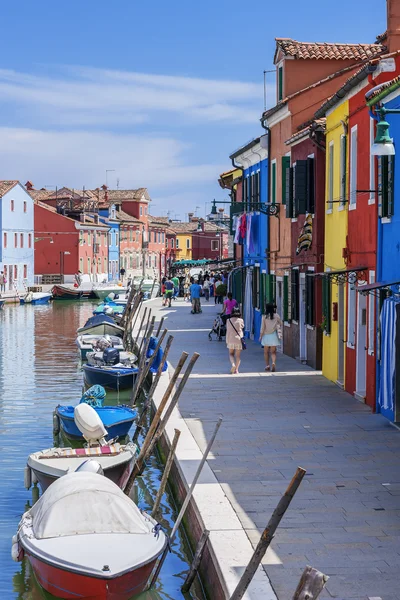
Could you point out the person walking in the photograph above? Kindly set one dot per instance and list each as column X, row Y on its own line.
column 175, row 281
column 122, row 274
column 2, row 282
column 206, row 288
column 234, row 335
column 169, row 291
column 195, row 291
column 270, row 335
column 229, row 304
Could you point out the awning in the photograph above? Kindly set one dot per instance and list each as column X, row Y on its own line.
column 374, row 289
column 346, row 275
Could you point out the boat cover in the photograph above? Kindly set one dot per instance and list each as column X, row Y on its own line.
column 85, row 503
column 98, row 320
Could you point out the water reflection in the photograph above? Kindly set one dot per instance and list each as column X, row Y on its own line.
column 39, row 368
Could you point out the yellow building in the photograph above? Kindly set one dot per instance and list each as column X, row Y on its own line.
column 336, row 219
column 183, row 239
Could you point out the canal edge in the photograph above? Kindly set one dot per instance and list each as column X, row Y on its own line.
column 228, row 549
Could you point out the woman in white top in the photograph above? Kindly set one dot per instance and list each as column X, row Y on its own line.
column 270, row 334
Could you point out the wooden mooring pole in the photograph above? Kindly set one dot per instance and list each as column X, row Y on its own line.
column 166, row 472
column 267, row 535
column 185, row 503
column 198, row 555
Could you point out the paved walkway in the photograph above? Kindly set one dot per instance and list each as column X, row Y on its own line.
column 345, row 518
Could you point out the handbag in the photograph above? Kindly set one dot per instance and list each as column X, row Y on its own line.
column 242, row 341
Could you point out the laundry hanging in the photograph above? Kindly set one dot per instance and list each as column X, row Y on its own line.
column 388, row 354
column 248, row 232
column 236, row 229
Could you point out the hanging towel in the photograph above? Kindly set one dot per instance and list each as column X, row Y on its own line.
column 236, row 229
column 242, row 227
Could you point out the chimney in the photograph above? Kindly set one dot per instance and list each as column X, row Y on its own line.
column 393, row 25
column 190, row 217
column 29, row 185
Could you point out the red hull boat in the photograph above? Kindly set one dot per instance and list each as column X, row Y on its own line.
column 63, row 292
column 85, row 539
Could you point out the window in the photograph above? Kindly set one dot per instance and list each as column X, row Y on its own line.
column 145, row 210
column 29, row 240
column 326, row 304
column 310, row 294
column 163, row 237
column 343, row 165
column 299, row 187
column 289, row 191
column 273, row 181
column 310, row 196
column 105, row 264
column 117, row 238
column 15, row 272
column 110, row 239
column 25, row 271
column 177, row 242
column 141, row 211
column 155, row 237
column 21, row 238
column 81, row 267
column 25, row 206
column 215, row 245
column 371, row 162
column 280, row 84
column 89, row 238
column 386, row 186
column 187, row 243
column 15, row 240
column 131, row 234
column 295, row 294
column 12, row 205
column 371, row 317
column 4, row 240
column 330, row 175
column 245, row 189
column 159, row 237
column 110, row 266
column 353, row 167
column 172, row 243
column 285, row 169
column 113, row 213
column 131, row 261
column 287, row 309
column 351, row 315
column 267, row 290
column 256, row 287
column 89, row 269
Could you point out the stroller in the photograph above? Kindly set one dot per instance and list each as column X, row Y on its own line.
column 219, row 328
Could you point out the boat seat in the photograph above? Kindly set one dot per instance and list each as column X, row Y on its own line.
column 112, row 450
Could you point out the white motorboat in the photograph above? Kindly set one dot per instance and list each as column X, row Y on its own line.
column 116, row 460
column 86, row 539
column 89, row 343
column 36, row 298
column 102, row 290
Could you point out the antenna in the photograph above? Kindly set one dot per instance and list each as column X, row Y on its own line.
column 117, row 183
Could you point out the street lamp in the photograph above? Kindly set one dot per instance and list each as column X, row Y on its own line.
column 383, row 143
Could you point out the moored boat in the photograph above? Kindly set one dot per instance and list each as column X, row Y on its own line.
column 101, row 325
column 113, row 377
column 2, row 302
column 65, row 292
column 36, row 298
column 86, row 539
column 88, row 343
column 102, row 290
column 109, row 308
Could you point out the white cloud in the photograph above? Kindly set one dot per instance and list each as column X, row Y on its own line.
column 79, row 95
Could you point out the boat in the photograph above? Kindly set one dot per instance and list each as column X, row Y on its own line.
column 36, row 298
column 101, row 325
column 66, row 292
column 102, row 290
column 117, row 420
column 116, row 460
column 88, row 343
column 109, row 308
column 86, row 539
column 2, row 303
column 111, row 369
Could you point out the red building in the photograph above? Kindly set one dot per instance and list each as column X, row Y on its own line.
column 210, row 241
column 130, row 243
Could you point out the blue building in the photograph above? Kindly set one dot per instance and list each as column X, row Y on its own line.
column 386, row 290
column 17, row 235
column 108, row 216
column 250, row 226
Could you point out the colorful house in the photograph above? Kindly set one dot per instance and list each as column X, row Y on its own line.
column 17, row 235
column 108, row 216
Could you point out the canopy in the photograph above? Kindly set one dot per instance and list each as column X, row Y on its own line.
column 85, row 503
column 98, row 320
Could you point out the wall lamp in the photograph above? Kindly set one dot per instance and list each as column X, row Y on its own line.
column 383, row 143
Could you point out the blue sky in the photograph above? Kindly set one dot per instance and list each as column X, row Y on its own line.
column 162, row 92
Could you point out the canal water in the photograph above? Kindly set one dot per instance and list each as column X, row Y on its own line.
column 39, row 368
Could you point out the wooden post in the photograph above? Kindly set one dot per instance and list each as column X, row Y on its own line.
column 141, row 324
column 165, row 475
column 186, row 502
column 311, row 584
column 147, row 366
column 267, row 535
column 160, row 326
column 140, row 460
column 142, row 363
column 196, row 561
column 173, row 403
column 146, row 330
column 132, row 293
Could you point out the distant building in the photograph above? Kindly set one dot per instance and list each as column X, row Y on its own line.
column 17, row 235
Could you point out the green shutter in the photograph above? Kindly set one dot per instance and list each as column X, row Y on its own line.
column 280, row 83
column 387, row 187
column 300, row 187
column 343, row 169
column 285, row 298
column 310, row 286
column 326, row 303
column 310, row 205
column 273, row 183
column 289, row 193
column 285, row 168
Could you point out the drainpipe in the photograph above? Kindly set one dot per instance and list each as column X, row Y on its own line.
column 268, row 254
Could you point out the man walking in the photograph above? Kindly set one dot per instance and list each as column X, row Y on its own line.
column 195, row 291
column 169, row 291
column 175, row 281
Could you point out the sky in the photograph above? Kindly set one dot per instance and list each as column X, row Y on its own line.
column 158, row 94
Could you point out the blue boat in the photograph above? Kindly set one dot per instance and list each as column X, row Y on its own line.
column 109, row 308
column 101, row 325
column 111, row 377
column 2, row 302
column 116, row 419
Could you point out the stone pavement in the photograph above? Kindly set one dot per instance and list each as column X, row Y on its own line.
column 345, row 518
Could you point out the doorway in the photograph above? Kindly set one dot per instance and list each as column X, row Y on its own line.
column 341, row 336
column 361, row 348
column 302, row 319
column 279, row 304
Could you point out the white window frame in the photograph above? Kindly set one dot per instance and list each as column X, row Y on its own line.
column 351, row 315
column 117, row 238
column 89, row 236
column 187, row 243
column 372, row 163
column 280, row 66
column 353, row 167
column 342, row 172
column 331, row 167
column 371, row 317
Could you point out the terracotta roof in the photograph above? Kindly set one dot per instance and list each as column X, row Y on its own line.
column 326, row 50
column 384, row 90
column 115, row 196
column 123, row 216
column 42, row 194
column 159, row 220
column 192, row 227
column 316, row 125
column 7, row 185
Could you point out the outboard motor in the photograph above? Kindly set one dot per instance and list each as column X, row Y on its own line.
column 89, row 424
column 90, row 466
column 111, row 356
